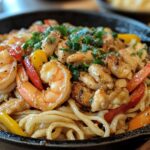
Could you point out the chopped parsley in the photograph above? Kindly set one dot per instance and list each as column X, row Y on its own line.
column 34, row 42
column 61, row 28
column 99, row 32
column 64, row 49
column 51, row 40
column 139, row 53
column 75, row 70
column 85, row 47
column 87, row 39
column 73, row 45
column 114, row 34
column 100, row 56
column 91, row 100
column 52, row 57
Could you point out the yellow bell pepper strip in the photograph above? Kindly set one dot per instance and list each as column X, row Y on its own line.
column 38, row 57
column 140, row 120
column 129, row 37
column 11, row 124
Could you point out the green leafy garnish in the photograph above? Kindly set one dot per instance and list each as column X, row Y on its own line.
column 61, row 28
column 73, row 45
column 114, row 34
column 85, row 48
column 91, row 100
column 98, row 61
column 140, row 52
column 75, row 70
column 34, row 42
column 99, row 32
column 51, row 40
column 64, row 49
column 100, row 56
column 87, row 39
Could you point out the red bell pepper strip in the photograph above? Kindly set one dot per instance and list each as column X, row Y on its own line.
column 135, row 97
column 138, row 78
column 47, row 22
column 33, row 76
column 41, row 28
column 16, row 52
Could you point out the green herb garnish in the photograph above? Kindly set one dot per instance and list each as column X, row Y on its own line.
column 91, row 100
column 34, row 42
column 85, row 48
column 51, row 40
column 114, row 34
column 76, row 70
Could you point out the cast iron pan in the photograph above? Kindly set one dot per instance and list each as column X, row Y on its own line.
column 143, row 16
column 129, row 140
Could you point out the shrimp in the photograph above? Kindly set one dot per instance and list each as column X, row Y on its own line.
column 8, row 89
column 14, row 105
column 121, row 83
column 50, row 42
column 81, row 94
column 80, row 57
column 61, row 54
column 39, row 26
column 134, row 56
column 100, row 100
column 57, row 76
column 101, row 75
column 88, row 80
column 113, row 45
column 129, row 59
column 109, row 100
column 8, row 71
column 119, row 68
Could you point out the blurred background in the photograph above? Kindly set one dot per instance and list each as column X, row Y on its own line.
column 17, row 6
column 138, row 9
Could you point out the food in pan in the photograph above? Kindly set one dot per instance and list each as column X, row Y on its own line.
column 66, row 82
column 131, row 5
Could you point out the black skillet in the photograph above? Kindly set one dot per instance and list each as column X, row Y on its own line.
column 127, row 141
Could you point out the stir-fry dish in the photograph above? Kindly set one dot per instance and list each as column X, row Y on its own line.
column 131, row 5
column 63, row 82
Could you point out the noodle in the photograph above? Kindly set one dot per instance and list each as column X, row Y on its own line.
column 86, row 119
column 70, row 135
column 115, row 122
column 73, row 126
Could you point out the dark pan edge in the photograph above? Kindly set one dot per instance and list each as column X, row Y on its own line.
column 142, row 132
column 145, row 35
column 111, row 15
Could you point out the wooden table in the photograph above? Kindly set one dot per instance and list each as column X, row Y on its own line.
column 18, row 6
